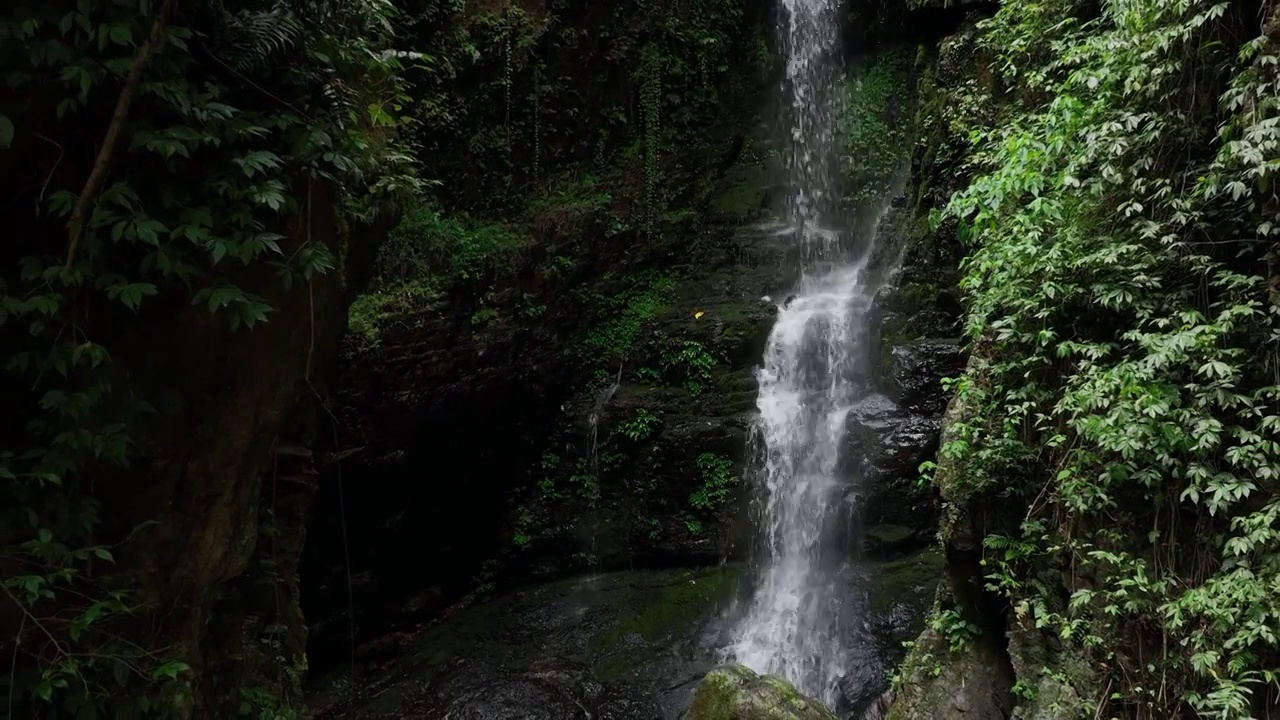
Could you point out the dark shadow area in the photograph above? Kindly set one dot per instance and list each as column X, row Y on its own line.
column 875, row 25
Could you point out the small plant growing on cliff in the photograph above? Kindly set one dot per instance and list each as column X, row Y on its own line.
column 586, row 481
column 259, row 703
column 526, row 521
column 649, row 376
column 641, row 426
column 620, row 318
column 718, row 478
column 952, row 625
column 690, row 365
column 483, row 317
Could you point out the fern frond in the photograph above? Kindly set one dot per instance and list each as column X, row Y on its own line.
column 251, row 38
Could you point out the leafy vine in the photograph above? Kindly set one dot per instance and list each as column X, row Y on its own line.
column 1126, row 327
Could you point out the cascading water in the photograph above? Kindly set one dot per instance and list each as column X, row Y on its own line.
column 794, row 626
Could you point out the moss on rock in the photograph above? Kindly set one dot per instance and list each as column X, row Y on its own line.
column 737, row 693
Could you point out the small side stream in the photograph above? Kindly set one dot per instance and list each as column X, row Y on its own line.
column 619, row 646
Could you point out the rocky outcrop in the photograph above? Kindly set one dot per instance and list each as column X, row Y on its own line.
column 737, row 693
column 217, row 525
column 971, row 686
column 891, row 434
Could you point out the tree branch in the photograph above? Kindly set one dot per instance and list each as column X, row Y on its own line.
column 93, row 186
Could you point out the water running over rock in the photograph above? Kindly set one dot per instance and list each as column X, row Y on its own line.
column 801, row 621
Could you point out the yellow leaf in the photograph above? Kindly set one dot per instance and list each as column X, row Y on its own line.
column 698, row 315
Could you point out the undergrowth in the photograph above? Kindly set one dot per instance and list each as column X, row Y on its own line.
column 1123, row 306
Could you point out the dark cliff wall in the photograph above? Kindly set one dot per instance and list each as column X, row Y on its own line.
column 229, row 480
column 593, row 176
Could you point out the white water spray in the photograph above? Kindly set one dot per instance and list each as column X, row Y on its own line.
column 794, row 626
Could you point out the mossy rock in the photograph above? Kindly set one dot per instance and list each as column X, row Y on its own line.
column 748, row 190
column 737, row 693
column 910, row 580
column 972, row 684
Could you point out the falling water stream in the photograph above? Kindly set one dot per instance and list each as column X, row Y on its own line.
column 794, row 626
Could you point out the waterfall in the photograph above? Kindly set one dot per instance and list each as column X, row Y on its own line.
column 795, row 625
column 593, row 458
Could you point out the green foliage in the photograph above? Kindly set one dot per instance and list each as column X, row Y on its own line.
column 574, row 196
column 871, row 128
column 621, row 317
column 650, row 81
column 642, row 425
column 689, row 365
column 718, row 478
column 445, row 250
column 369, row 311
column 952, row 626
column 212, row 164
column 587, row 481
column 1124, row 381
column 260, row 703
column 429, row 255
column 502, row 110
column 526, row 522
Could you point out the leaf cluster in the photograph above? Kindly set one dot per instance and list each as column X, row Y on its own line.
column 239, row 112
column 1123, row 307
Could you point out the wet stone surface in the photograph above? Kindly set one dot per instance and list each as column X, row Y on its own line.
column 621, row 646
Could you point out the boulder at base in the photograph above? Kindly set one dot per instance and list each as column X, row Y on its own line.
column 737, row 693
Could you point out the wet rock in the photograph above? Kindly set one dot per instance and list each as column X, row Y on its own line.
column 885, row 446
column 917, row 372
column 901, row 591
column 547, row 691
column 737, row 693
column 944, row 685
column 621, row 646
column 893, row 431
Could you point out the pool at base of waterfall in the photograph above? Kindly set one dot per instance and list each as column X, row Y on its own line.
column 620, row 646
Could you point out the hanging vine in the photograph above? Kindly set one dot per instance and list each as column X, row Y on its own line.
column 537, row 124
column 651, row 120
column 507, row 36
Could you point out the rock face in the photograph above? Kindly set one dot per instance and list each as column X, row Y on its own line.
column 892, row 433
column 944, row 678
column 625, row 646
column 912, row 329
column 598, row 414
column 972, row 686
column 590, row 412
column 737, row 693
